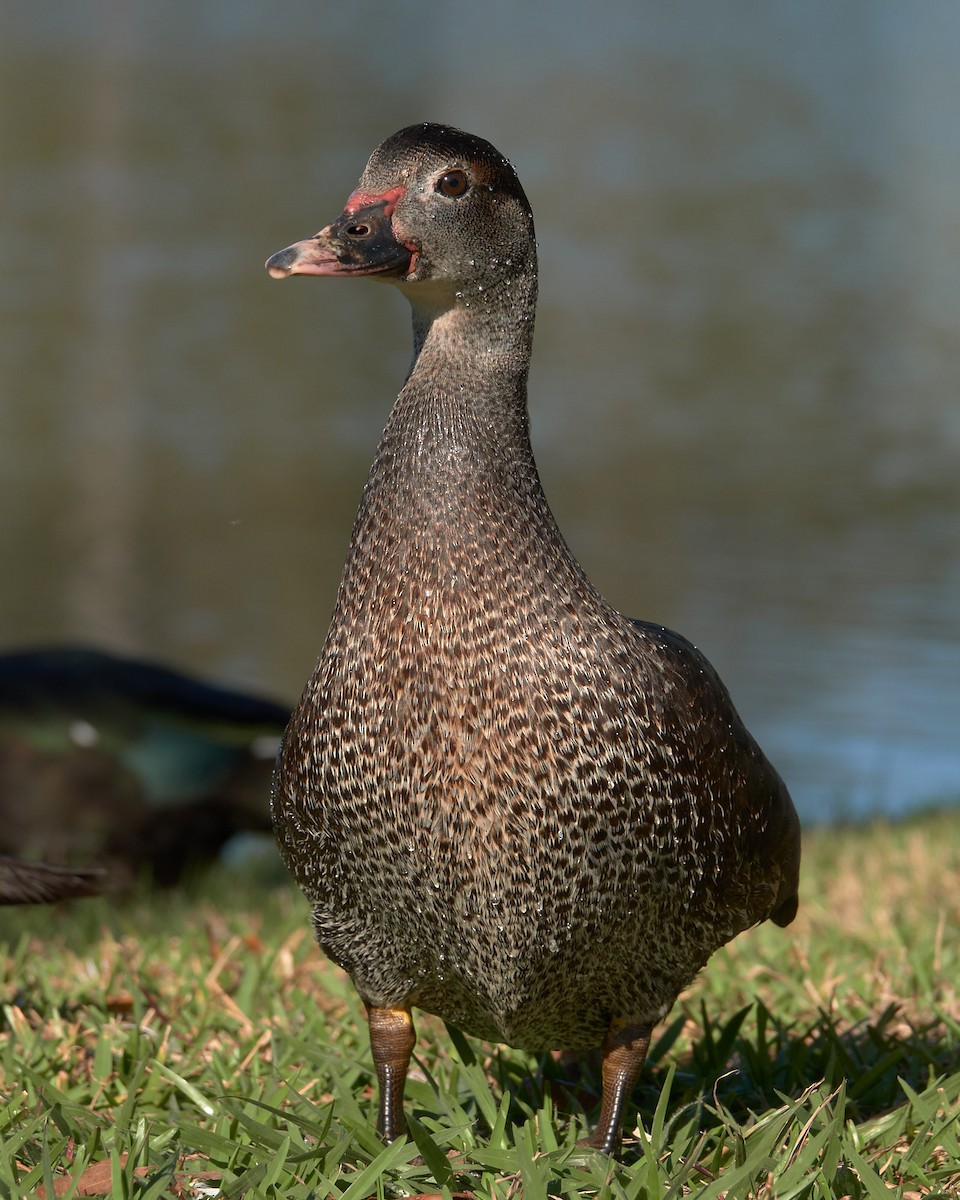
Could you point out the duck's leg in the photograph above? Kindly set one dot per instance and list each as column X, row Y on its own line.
column 624, row 1050
column 392, row 1038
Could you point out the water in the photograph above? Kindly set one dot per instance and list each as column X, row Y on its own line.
column 744, row 393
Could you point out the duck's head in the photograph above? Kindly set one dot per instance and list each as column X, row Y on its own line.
column 434, row 206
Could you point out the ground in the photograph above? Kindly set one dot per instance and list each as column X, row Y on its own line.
column 195, row 1043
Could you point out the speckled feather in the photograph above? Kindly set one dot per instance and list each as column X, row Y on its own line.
column 508, row 804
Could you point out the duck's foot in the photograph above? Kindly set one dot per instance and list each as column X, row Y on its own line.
column 392, row 1038
column 624, row 1051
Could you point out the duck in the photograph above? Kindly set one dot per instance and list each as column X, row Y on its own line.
column 127, row 764
column 507, row 804
column 25, row 882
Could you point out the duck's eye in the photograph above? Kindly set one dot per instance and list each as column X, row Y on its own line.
column 453, row 184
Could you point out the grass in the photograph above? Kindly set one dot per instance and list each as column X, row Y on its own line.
column 196, row 1044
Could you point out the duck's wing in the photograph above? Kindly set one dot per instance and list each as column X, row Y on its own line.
column 756, row 801
column 23, row 882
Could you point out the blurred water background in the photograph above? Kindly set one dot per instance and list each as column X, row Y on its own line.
column 744, row 398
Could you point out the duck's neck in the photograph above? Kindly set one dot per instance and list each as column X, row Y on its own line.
column 460, row 422
column 454, row 500
column 496, row 319
column 454, row 468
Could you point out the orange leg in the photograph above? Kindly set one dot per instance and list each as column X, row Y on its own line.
column 392, row 1038
column 624, row 1050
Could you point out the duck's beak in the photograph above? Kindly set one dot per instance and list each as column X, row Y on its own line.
column 360, row 241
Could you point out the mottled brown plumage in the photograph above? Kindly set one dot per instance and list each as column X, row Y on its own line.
column 507, row 804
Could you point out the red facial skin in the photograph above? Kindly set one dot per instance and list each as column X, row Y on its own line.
column 360, row 242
